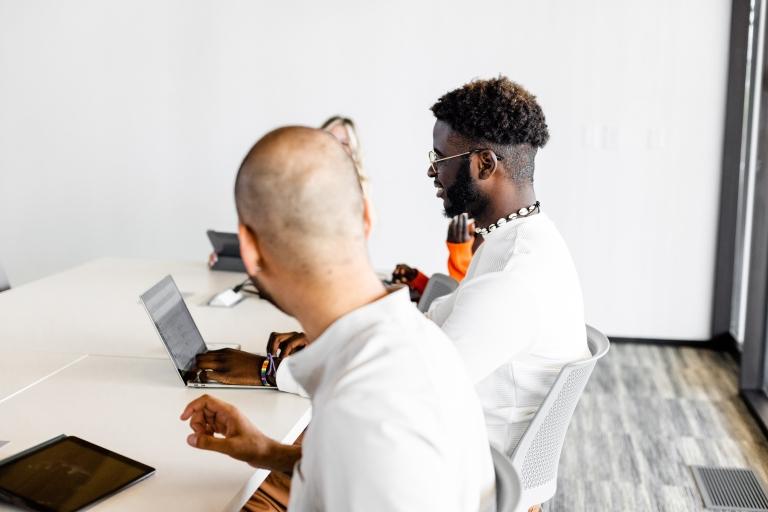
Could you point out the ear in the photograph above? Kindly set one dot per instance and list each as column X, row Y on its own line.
column 487, row 164
column 249, row 249
column 367, row 215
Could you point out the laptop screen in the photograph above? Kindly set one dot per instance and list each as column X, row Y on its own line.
column 168, row 311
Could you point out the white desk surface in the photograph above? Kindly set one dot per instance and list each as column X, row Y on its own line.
column 80, row 356
column 94, row 309
column 132, row 406
column 19, row 370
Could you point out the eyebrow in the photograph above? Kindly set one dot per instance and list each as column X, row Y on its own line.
column 438, row 152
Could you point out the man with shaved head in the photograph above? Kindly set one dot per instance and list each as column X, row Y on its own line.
column 396, row 424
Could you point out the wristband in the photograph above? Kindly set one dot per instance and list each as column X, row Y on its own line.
column 267, row 369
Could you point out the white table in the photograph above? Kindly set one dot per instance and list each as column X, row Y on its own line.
column 132, row 406
column 91, row 365
column 95, row 309
column 20, row 370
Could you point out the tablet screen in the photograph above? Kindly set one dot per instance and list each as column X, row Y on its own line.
column 67, row 474
column 224, row 244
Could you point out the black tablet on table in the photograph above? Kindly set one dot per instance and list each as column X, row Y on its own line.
column 66, row 474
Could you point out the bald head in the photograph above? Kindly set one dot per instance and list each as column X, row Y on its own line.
column 297, row 191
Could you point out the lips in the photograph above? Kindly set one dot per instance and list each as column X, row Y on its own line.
column 440, row 189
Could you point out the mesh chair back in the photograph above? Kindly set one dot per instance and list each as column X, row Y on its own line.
column 537, row 455
column 437, row 286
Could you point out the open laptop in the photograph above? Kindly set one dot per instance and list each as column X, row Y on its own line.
column 179, row 333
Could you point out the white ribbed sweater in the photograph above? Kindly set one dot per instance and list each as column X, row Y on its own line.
column 516, row 319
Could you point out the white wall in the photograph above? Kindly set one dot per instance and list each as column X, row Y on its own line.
column 122, row 124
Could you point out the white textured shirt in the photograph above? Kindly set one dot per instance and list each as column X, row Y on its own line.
column 516, row 319
column 396, row 424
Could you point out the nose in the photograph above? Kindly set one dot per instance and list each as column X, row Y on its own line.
column 431, row 172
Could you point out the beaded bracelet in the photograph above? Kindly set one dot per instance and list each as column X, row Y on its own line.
column 267, row 369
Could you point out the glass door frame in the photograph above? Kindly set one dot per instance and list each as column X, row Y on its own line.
column 740, row 305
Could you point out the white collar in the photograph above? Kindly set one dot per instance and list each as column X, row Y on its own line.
column 309, row 365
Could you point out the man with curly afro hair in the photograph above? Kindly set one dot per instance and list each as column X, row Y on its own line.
column 518, row 315
column 499, row 125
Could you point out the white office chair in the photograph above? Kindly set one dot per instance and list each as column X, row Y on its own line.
column 508, row 486
column 537, row 455
column 4, row 283
column 437, row 286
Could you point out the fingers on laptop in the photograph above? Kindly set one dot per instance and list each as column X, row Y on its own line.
column 211, row 360
column 213, row 375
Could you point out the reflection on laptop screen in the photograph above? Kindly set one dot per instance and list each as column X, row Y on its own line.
column 166, row 306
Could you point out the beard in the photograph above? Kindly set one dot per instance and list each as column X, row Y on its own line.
column 464, row 196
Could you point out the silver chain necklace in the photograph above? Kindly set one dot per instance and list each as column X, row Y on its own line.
column 522, row 212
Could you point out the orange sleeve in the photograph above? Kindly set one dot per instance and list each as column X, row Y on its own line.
column 459, row 256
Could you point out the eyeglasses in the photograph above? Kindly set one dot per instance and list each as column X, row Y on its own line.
column 434, row 160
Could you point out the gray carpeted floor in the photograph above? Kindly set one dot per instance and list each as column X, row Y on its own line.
column 648, row 413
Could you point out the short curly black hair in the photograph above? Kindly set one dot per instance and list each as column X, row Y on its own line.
column 501, row 113
column 496, row 110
